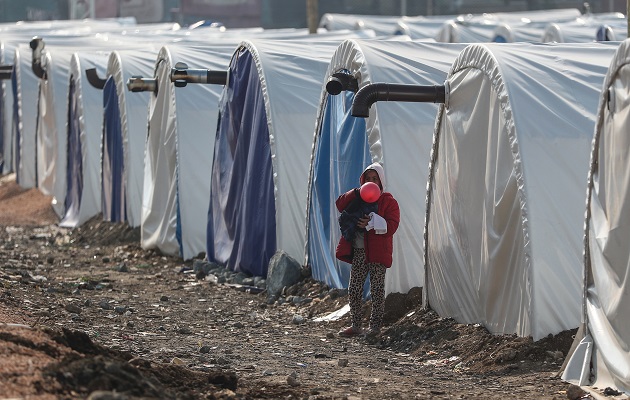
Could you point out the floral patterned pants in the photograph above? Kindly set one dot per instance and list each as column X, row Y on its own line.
column 358, row 275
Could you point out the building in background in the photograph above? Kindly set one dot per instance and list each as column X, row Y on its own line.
column 270, row 13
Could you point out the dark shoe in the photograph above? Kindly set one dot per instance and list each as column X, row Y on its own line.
column 350, row 331
column 373, row 333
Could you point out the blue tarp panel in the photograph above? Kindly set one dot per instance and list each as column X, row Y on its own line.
column 242, row 214
column 74, row 171
column 17, row 134
column 113, row 199
column 341, row 155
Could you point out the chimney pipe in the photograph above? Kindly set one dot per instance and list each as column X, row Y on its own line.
column 6, row 71
column 181, row 75
column 340, row 81
column 140, row 84
column 37, row 45
column 94, row 79
column 374, row 92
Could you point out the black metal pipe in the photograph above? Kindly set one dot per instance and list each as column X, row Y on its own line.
column 374, row 92
column 6, row 71
column 181, row 75
column 94, row 79
column 340, row 81
column 37, row 45
column 140, row 84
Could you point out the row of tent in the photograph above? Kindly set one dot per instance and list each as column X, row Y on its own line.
column 236, row 144
column 559, row 26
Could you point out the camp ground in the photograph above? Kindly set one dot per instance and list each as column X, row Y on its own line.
column 262, row 152
column 600, row 358
column 397, row 134
column 505, row 199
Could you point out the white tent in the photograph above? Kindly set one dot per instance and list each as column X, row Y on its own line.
column 82, row 198
column 7, row 53
column 601, row 357
column 481, row 28
column 593, row 27
column 421, row 27
column 52, row 114
column 179, row 149
column 124, row 135
column 262, row 153
column 397, row 134
column 505, row 198
column 25, row 88
column 382, row 25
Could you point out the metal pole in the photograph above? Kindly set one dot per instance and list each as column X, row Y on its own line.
column 92, row 9
column 312, row 16
column 403, row 7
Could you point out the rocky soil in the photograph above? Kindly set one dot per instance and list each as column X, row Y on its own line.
column 87, row 313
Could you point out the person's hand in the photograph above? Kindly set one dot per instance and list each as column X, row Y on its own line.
column 362, row 223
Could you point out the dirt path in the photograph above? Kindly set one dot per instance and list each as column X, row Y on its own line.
column 91, row 311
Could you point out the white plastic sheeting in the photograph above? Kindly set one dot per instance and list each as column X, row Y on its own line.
column 481, row 28
column 382, row 25
column 24, row 124
column 7, row 52
column 179, row 151
column 398, row 134
column 506, row 186
column 421, row 27
column 601, row 358
column 587, row 29
column 85, row 123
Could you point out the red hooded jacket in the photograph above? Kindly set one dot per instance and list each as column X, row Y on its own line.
column 378, row 248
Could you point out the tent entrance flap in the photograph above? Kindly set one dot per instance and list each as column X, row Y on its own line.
column 74, row 170
column 113, row 188
column 341, row 154
column 242, row 214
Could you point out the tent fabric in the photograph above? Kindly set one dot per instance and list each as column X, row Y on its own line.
column 481, row 28
column 84, row 138
column 601, row 359
column 179, row 151
column 25, row 88
column 291, row 73
column 397, row 134
column 246, row 206
column 123, row 172
column 503, row 241
column 113, row 200
column 5, row 137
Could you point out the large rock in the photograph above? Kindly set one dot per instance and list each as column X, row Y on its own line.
column 283, row 271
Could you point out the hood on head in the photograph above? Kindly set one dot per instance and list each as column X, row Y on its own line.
column 379, row 170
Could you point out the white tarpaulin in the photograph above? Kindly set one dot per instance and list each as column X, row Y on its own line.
column 601, row 358
column 83, row 137
column 506, row 186
column 179, row 151
column 397, row 134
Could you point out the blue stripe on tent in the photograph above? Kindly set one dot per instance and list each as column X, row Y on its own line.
column 74, row 169
column 17, row 133
column 341, row 154
column 242, row 215
column 113, row 199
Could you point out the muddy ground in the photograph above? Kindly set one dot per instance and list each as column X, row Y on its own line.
column 87, row 313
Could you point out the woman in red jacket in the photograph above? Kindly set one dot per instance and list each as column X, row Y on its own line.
column 370, row 251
